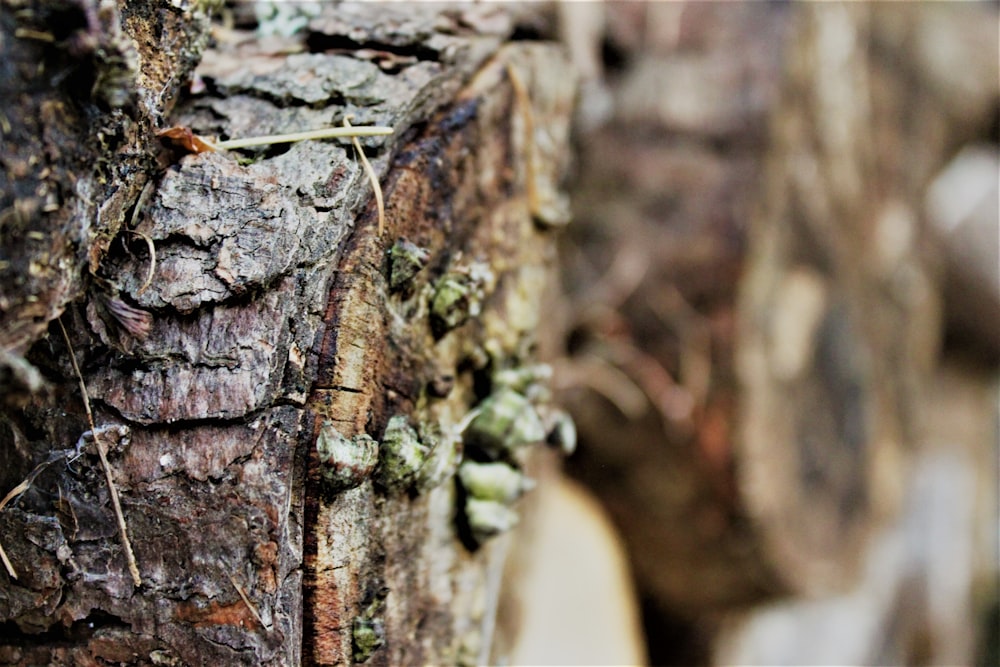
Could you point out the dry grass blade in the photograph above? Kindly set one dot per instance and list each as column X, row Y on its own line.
column 140, row 203
column 147, row 191
column 7, row 564
column 102, row 453
column 16, row 491
column 371, row 174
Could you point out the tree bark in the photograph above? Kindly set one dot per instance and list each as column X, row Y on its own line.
column 84, row 84
column 280, row 319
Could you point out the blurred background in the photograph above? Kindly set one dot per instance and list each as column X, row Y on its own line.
column 782, row 323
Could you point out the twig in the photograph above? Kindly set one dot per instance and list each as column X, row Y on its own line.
column 368, row 170
column 672, row 401
column 604, row 378
column 115, row 502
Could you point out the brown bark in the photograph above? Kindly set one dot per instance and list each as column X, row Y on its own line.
column 273, row 317
column 84, row 85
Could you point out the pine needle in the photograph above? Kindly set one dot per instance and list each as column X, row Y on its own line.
column 246, row 601
column 325, row 133
column 101, row 452
column 368, row 170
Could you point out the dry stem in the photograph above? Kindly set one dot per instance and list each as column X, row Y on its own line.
column 21, row 488
column 102, row 453
column 152, row 260
column 246, row 601
column 523, row 100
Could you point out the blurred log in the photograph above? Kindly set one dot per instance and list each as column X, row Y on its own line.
column 755, row 287
column 962, row 205
column 277, row 316
column 928, row 577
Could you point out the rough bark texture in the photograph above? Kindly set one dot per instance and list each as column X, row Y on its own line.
column 274, row 317
column 746, row 371
column 84, row 84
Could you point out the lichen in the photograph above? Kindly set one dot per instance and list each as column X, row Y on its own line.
column 344, row 463
column 498, row 482
column 487, row 518
column 445, row 453
column 406, row 260
column 522, row 378
column 368, row 628
column 402, row 455
column 454, row 301
column 284, row 18
column 505, row 421
column 459, row 295
column 561, row 430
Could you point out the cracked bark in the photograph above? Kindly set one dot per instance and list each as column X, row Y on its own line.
column 271, row 313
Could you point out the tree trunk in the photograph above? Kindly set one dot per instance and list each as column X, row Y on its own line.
column 83, row 87
column 286, row 337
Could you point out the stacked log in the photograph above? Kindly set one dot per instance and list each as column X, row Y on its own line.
column 756, row 289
